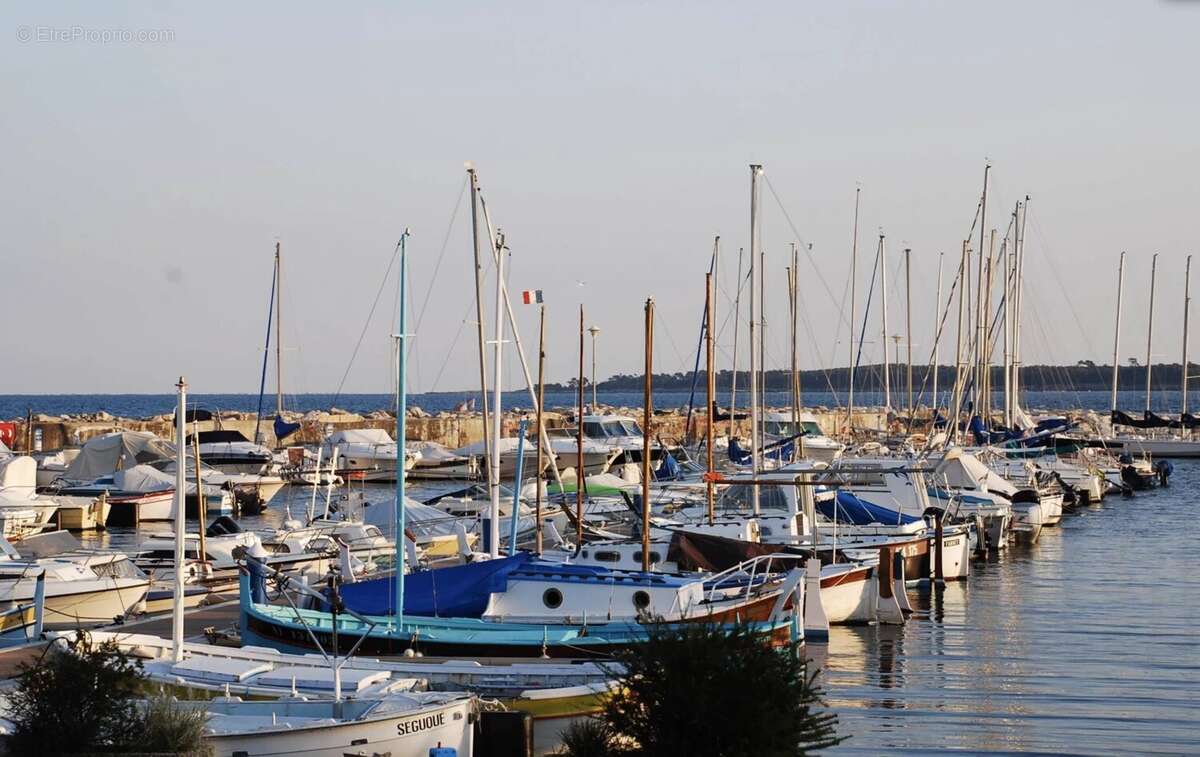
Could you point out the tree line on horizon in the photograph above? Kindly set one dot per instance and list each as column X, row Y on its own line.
column 1085, row 375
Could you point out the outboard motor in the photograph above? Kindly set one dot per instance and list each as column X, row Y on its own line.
column 1135, row 480
column 1164, row 469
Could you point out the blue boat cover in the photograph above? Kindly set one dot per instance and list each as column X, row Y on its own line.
column 668, row 469
column 851, row 510
column 284, row 429
column 460, row 591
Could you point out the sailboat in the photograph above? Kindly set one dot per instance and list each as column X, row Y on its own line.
column 516, row 606
column 404, row 722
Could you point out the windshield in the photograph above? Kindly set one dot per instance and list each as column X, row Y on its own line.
column 740, row 498
column 811, row 428
column 629, row 428
column 594, row 430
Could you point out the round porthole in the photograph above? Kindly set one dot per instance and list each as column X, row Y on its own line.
column 552, row 598
column 641, row 600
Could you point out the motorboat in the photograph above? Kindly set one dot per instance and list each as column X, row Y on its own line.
column 364, row 454
column 229, row 451
column 439, row 462
column 22, row 510
column 779, row 426
column 82, row 588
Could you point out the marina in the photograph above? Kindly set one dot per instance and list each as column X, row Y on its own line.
column 599, row 380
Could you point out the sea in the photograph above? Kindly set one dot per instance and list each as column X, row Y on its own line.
column 1086, row 643
column 146, row 405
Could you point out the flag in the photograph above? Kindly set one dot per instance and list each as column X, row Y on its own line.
column 532, row 296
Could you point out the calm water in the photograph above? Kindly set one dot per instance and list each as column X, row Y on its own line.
column 1085, row 643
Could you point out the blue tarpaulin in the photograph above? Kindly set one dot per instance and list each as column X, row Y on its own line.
column 460, row 591
column 852, row 511
column 284, row 429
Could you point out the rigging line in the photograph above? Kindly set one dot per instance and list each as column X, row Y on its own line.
column 1045, row 249
column 441, row 254
column 382, row 283
column 804, row 244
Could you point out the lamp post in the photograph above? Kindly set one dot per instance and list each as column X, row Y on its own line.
column 593, row 331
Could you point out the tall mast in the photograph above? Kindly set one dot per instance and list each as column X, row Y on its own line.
column 710, row 391
column 1116, row 366
column 497, row 355
column 262, row 382
column 986, row 355
column 1006, row 300
column 180, row 519
column 579, row 477
column 1150, row 328
column 1187, row 307
column 487, row 454
column 1020, row 286
column 278, row 333
column 737, row 314
column 541, row 447
column 980, row 318
column 937, row 317
column 795, row 382
column 401, row 423
column 755, row 172
column 647, row 416
column 908, row 326
column 853, row 305
column 887, row 368
column 959, row 367
column 762, row 339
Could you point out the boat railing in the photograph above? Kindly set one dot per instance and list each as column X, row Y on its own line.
column 751, row 573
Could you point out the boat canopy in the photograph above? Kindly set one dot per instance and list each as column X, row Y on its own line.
column 459, row 591
column 359, row 436
column 219, row 436
column 707, row 552
column 117, row 451
column 18, row 472
column 852, row 511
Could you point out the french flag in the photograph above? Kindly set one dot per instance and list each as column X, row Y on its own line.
column 530, row 296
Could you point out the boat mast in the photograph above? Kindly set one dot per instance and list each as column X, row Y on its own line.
column 908, row 326
column 853, row 305
column 755, row 172
column 980, row 319
column 1006, row 301
column 180, row 519
column 541, row 448
column 937, row 336
column 487, row 454
column 1020, row 286
column 1117, row 330
column 497, row 250
column 278, row 334
column 737, row 314
column 986, row 355
column 497, row 356
column 1187, row 307
column 401, row 424
column 1150, row 327
column 262, row 383
column 710, row 390
column 959, row 366
column 887, row 367
column 762, row 343
column 647, row 415
column 579, row 477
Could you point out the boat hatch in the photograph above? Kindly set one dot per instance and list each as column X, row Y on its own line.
column 220, row 670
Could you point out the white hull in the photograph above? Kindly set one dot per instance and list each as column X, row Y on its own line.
column 71, row 606
column 402, row 734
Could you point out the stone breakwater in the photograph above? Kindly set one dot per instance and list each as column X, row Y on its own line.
column 453, row 429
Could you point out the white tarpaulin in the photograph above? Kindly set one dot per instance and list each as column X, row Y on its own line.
column 360, row 436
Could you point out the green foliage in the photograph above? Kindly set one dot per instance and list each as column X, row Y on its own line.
column 88, row 699
column 586, row 738
column 710, row 690
column 81, row 701
column 169, row 728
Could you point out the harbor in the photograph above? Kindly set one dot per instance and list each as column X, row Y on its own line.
column 577, row 380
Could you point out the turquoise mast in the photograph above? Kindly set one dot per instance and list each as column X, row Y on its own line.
column 401, row 413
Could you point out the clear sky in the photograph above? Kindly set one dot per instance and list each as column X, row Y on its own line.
column 146, row 178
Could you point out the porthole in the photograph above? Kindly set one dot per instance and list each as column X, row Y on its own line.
column 607, row 556
column 552, row 598
column 641, row 600
column 655, row 558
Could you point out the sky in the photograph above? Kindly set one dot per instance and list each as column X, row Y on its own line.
column 155, row 154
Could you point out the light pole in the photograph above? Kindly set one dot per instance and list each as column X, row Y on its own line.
column 593, row 331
